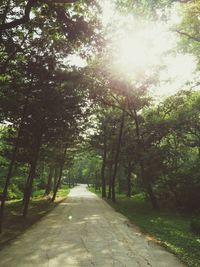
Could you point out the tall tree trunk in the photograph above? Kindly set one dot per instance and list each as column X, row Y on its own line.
column 28, row 188
column 9, row 174
column 11, row 165
column 55, row 178
column 97, row 181
column 152, row 197
column 119, row 183
column 60, row 175
column 110, row 188
column 129, row 189
column 117, row 156
column 49, row 181
column 103, row 178
column 146, row 182
column 110, row 175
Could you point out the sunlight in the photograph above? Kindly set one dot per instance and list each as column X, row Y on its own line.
column 141, row 48
column 132, row 52
column 180, row 69
column 107, row 11
column 75, row 60
column 138, row 47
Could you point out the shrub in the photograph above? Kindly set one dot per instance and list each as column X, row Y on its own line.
column 14, row 192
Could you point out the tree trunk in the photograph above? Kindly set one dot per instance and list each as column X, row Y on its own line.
column 49, row 181
column 60, row 175
column 152, row 197
column 129, row 189
column 110, row 182
column 11, row 165
column 147, row 184
column 55, row 178
column 117, row 156
column 97, row 181
column 9, row 174
column 103, row 178
column 28, row 188
column 148, row 188
column 110, row 174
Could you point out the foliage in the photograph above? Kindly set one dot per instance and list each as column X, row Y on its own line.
column 85, row 167
column 61, row 125
column 187, row 29
column 160, row 143
column 42, row 101
column 153, row 9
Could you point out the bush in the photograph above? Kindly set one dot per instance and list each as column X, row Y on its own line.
column 38, row 193
column 195, row 226
column 14, row 192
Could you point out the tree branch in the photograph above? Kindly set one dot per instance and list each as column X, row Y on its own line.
column 3, row 66
column 114, row 106
column 26, row 18
column 188, row 35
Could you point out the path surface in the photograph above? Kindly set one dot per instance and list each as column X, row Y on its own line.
column 84, row 231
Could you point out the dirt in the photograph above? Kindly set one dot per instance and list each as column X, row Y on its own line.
column 14, row 224
column 85, row 231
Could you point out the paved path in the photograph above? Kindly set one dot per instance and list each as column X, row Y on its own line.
column 84, row 231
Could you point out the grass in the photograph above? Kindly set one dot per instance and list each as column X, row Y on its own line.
column 170, row 229
column 14, row 224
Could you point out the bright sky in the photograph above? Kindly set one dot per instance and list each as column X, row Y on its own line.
column 137, row 47
column 75, row 60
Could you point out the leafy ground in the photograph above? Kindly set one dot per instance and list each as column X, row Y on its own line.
column 14, row 224
column 171, row 230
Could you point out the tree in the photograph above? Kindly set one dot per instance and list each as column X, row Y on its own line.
column 58, row 9
column 36, row 50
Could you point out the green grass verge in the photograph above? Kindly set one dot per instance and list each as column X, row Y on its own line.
column 14, row 224
column 172, row 230
column 97, row 192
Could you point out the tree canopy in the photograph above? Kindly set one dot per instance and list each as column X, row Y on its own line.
column 65, row 124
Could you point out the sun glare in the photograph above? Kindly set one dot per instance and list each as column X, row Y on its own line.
column 137, row 47
column 140, row 49
column 132, row 52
